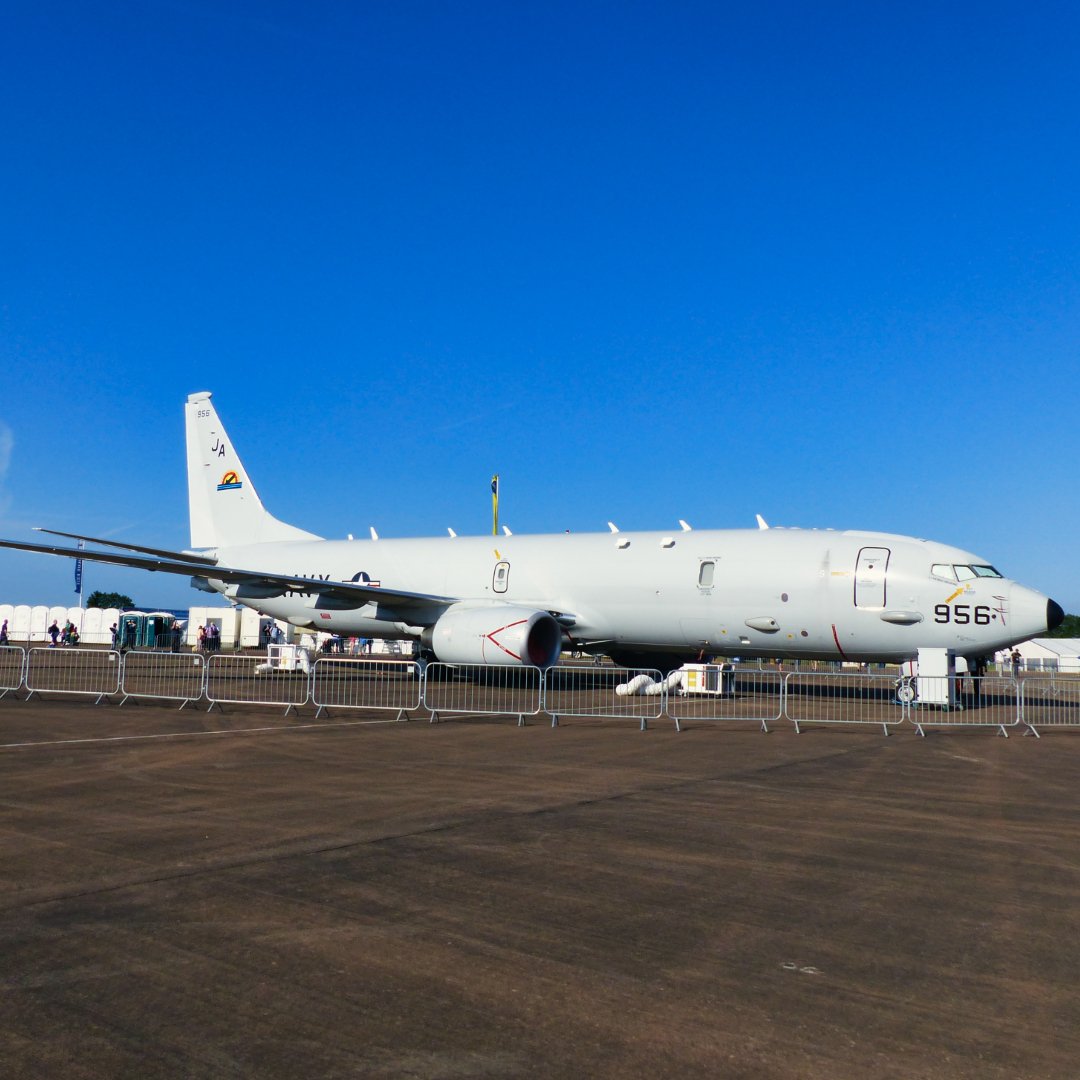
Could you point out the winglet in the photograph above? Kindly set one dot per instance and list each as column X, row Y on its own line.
column 761, row 522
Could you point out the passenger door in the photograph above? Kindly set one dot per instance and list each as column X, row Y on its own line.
column 870, row 569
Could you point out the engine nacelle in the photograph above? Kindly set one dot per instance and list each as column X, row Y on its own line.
column 496, row 634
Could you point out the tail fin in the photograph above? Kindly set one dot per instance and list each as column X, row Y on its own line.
column 224, row 506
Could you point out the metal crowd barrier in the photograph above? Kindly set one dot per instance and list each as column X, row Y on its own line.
column 483, row 690
column 964, row 701
column 604, row 693
column 12, row 668
column 362, row 683
column 714, row 692
column 847, row 698
column 235, row 680
column 95, row 672
column 170, row 676
column 1049, row 701
column 728, row 692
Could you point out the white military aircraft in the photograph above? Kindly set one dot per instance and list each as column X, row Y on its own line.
column 647, row 599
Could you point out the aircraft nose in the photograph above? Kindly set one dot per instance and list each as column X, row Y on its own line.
column 1055, row 615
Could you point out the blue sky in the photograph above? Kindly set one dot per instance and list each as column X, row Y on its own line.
column 818, row 262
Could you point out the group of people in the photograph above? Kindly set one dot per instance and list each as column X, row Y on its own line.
column 209, row 638
column 68, row 636
column 356, row 646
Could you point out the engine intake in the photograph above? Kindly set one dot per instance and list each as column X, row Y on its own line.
column 496, row 634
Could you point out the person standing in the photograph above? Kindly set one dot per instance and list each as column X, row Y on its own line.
column 978, row 668
column 3, row 633
column 54, row 633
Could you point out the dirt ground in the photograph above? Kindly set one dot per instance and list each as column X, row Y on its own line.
column 238, row 894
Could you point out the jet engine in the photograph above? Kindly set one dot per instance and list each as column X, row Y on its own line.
column 495, row 634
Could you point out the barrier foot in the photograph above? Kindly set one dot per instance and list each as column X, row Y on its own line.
column 434, row 717
column 678, row 726
column 521, row 720
column 798, row 730
column 765, row 728
column 100, row 699
column 919, row 731
column 123, row 701
column 1001, row 728
column 554, row 720
column 319, row 711
column 885, row 730
column 644, row 725
column 289, row 709
column 402, row 715
column 1031, row 731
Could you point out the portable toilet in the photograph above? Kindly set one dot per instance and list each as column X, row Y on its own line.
column 159, row 632
column 130, row 628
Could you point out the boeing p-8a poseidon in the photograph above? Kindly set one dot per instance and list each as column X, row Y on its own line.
column 644, row 598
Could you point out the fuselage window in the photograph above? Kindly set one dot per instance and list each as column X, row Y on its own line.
column 705, row 574
column 985, row 571
column 964, row 573
column 943, row 570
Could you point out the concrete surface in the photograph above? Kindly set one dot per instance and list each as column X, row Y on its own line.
column 470, row 899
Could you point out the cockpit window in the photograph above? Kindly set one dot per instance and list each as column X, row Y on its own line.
column 962, row 573
column 966, row 573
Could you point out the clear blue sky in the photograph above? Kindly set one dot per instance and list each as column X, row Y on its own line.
column 646, row 261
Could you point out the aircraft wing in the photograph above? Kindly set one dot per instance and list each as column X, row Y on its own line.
column 189, row 556
column 250, row 584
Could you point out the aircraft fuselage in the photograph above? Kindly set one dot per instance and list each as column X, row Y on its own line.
column 776, row 592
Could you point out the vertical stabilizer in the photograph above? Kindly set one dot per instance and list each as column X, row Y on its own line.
column 224, row 507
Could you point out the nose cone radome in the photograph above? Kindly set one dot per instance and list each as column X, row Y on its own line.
column 1031, row 613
